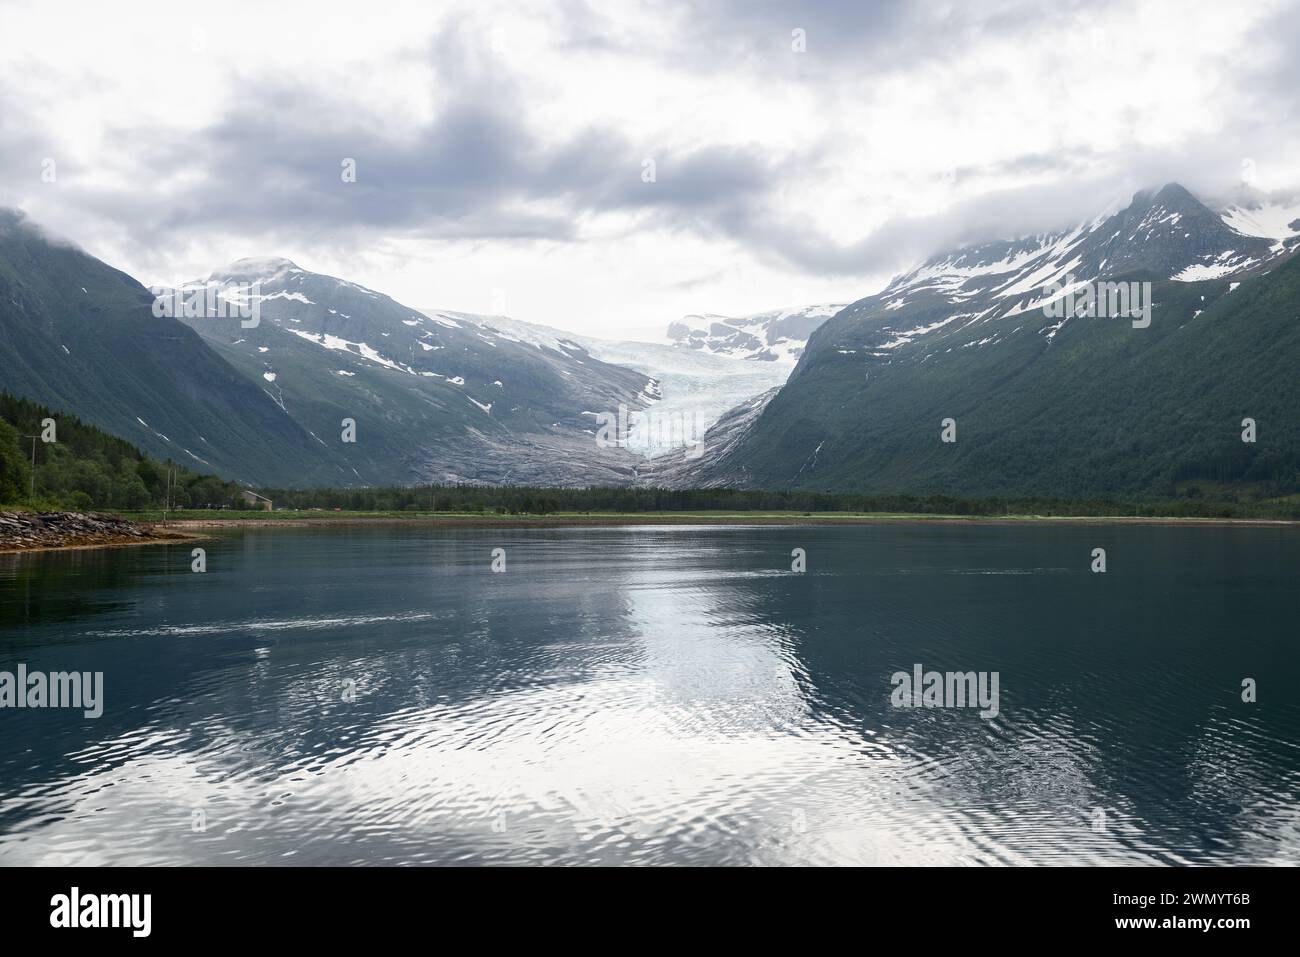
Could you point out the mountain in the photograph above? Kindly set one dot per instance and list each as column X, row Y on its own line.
column 442, row 397
column 1046, row 403
column 437, row 396
column 776, row 336
column 81, row 337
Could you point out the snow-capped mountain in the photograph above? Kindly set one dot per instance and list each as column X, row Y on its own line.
column 964, row 298
column 778, row 335
column 439, row 397
column 1046, row 402
column 1164, row 235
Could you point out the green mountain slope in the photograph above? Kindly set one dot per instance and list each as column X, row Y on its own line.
column 80, row 336
column 1088, row 407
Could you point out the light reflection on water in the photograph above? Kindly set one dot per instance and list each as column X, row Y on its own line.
column 658, row 695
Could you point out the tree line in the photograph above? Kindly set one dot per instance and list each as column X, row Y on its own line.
column 516, row 500
column 86, row 468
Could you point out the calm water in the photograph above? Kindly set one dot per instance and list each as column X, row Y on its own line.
column 659, row 695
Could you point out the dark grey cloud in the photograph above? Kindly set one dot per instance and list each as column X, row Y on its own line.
column 1271, row 77
column 24, row 144
column 471, row 173
column 864, row 36
column 271, row 165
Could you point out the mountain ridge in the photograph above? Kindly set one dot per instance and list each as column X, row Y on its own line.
column 443, row 397
column 965, row 334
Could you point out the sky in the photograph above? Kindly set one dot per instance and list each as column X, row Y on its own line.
column 610, row 167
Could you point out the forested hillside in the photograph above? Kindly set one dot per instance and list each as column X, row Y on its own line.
column 88, row 468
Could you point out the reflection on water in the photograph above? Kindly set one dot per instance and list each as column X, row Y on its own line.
column 659, row 695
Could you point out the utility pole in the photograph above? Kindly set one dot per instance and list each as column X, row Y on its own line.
column 32, row 493
column 167, row 494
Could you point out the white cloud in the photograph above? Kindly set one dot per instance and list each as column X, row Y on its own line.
column 502, row 144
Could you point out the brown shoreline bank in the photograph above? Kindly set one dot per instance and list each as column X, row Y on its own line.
column 22, row 532
column 61, row 531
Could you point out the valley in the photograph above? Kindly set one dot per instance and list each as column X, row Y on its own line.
column 999, row 336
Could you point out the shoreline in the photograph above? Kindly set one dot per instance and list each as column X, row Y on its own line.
column 22, row 532
column 149, row 531
column 571, row 520
column 123, row 542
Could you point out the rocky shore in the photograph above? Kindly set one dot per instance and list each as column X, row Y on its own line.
column 25, row 531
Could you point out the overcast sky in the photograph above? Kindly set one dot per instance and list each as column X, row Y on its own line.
column 501, row 149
